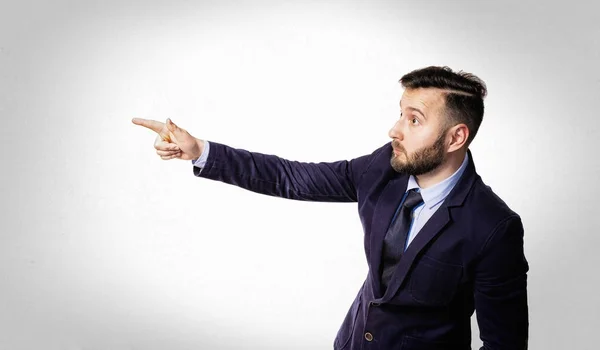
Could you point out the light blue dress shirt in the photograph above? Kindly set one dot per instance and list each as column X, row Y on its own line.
column 433, row 197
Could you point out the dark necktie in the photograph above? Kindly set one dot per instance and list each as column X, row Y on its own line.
column 395, row 238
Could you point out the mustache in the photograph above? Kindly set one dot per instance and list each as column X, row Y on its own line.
column 398, row 146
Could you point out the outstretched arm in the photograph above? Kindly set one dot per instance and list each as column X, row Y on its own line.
column 262, row 173
column 275, row 176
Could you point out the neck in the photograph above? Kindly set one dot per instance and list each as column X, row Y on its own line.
column 444, row 171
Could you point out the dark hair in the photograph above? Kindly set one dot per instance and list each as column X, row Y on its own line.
column 463, row 96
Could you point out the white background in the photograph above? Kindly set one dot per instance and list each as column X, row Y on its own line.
column 105, row 246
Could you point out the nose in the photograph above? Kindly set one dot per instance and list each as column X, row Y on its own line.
column 396, row 131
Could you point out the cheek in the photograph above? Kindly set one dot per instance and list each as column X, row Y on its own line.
column 416, row 145
column 424, row 140
column 413, row 144
column 417, row 138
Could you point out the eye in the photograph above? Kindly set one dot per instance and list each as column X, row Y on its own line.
column 414, row 121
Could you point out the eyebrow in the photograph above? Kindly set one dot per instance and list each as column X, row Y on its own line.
column 415, row 109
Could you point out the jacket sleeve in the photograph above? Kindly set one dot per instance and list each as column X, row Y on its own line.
column 274, row 176
column 501, row 289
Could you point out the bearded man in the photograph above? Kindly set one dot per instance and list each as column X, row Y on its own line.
column 439, row 242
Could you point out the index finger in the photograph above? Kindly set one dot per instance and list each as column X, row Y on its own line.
column 153, row 125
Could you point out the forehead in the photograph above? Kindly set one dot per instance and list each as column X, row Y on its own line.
column 425, row 99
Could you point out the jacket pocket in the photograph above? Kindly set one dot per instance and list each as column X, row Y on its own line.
column 347, row 329
column 433, row 282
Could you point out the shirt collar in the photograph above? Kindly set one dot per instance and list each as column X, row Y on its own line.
column 437, row 193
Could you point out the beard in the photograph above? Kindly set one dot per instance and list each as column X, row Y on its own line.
column 422, row 161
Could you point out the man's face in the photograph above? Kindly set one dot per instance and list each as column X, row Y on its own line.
column 419, row 135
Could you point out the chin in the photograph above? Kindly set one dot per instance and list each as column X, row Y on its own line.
column 397, row 163
column 401, row 158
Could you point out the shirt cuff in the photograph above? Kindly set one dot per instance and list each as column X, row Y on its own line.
column 201, row 162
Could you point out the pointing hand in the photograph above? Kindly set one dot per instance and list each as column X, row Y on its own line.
column 172, row 141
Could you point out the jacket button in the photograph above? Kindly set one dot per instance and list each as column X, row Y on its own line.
column 368, row 336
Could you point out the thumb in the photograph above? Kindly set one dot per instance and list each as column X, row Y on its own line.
column 172, row 127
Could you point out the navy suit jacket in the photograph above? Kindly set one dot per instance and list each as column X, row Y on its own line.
column 468, row 256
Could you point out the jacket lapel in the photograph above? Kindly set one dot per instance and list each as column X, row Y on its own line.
column 384, row 211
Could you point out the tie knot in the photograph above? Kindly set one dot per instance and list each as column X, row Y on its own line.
column 412, row 199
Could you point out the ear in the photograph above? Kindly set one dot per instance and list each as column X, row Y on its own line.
column 457, row 136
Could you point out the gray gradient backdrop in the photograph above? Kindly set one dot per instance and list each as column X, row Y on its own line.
column 105, row 246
